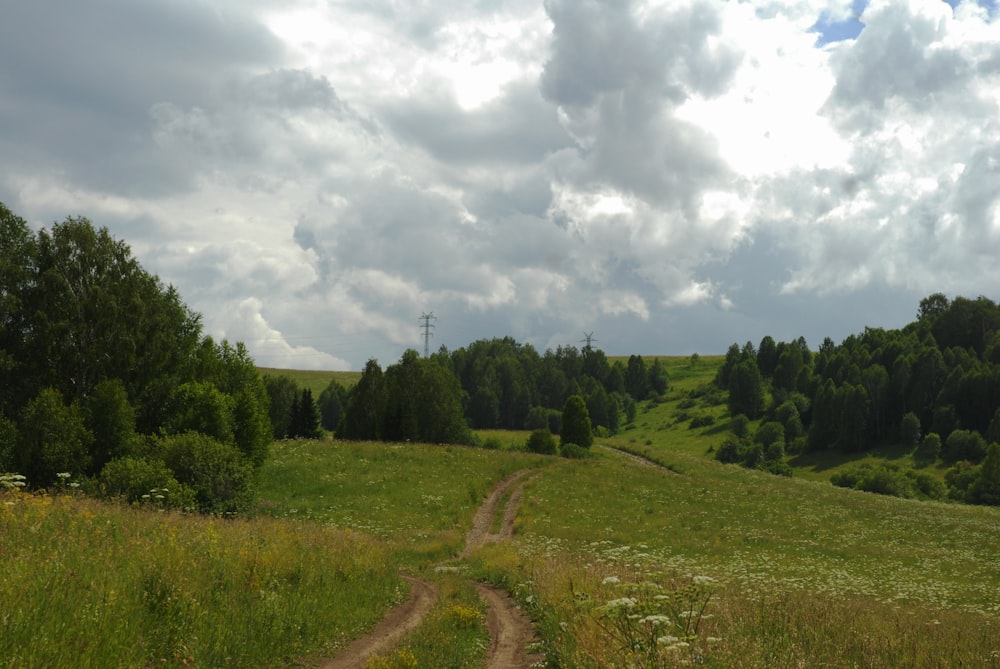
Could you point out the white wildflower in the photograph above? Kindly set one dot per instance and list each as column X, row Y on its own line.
column 621, row 603
column 656, row 620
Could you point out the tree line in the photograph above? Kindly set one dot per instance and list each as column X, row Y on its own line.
column 106, row 376
column 932, row 387
column 493, row 384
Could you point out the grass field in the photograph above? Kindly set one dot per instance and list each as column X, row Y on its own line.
column 315, row 380
column 621, row 564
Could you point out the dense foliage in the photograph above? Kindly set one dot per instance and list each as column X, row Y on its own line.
column 492, row 384
column 97, row 357
column 932, row 387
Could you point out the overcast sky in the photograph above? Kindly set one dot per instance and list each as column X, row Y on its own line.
column 670, row 176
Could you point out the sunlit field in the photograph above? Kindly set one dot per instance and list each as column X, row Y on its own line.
column 800, row 570
column 90, row 584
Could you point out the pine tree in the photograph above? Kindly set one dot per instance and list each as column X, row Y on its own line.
column 576, row 428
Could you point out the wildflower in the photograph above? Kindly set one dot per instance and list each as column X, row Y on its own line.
column 667, row 640
column 64, row 475
column 703, row 580
column 656, row 620
column 610, row 580
column 621, row 603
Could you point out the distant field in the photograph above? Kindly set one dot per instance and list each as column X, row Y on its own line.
column 314, row 380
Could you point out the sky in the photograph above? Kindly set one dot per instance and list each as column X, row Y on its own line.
column 666, row 177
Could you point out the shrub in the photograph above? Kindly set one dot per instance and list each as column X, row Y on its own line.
column 137, row 480
column 769, row 433
column 928, row 450
column 220, row 475
column 960, row 479
column 930, row 487
column 541, row 441
column 573, row 451
column 729, row 452
column 740, row 426
column 702, row 421
column 965, row 445
column 492, row 444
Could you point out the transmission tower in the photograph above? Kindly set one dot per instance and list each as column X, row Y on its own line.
column 588, row 337
column 426, row 326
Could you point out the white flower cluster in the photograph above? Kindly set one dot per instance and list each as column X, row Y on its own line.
column 12, row 481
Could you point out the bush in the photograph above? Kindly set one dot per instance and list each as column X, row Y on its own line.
column 702, row 421
column 928, row 450
column 573, row 451
column 492, row 444
column 541, row 441
column 770, row 433
column 960, row 479
column 729, row 452
column 880, row 479
column 220, row 475
column 965, row 445
column 137, row 480
column 740, row 426
column 930, row 487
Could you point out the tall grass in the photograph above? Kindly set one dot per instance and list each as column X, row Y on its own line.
column 86, row 584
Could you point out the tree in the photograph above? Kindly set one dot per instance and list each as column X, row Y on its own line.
column 928, row 450
column 365, row 411
column 767, row 356
column 111, row 420
column 986, row 489
column 331, row 404
column 52, row 438
column 932, row 306
column 304, row 423
column 909, row 430
column 576, row 428
column 236, row 375
column 964, row 445
column 282, row 394
column 659, row 379
column 746, row 390
column 636, row 379
column 198, row 406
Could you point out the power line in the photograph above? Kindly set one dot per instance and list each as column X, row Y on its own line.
column 426, row 327
column 588, row 338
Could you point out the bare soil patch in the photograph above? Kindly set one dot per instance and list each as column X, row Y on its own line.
column 390, row 629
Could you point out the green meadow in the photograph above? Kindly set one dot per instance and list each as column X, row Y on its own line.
column 620, row 563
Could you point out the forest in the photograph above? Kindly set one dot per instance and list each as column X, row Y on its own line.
column 932, row 387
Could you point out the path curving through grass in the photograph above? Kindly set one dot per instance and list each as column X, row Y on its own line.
column 510, row 629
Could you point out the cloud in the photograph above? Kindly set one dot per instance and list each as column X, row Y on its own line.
column 672, row 176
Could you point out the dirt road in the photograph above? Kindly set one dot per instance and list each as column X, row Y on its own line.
column 510, row 629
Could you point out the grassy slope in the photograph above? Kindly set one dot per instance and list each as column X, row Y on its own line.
column 314, row 380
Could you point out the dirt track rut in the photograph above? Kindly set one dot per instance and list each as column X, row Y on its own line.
column 510, row 629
